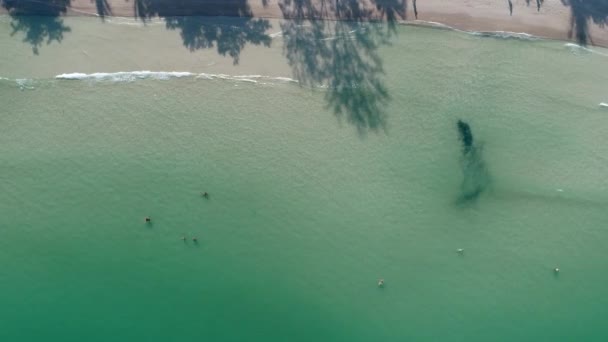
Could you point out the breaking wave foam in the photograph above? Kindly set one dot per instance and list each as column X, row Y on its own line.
column 130, row 76
column 492, row 34
column 505, row 35
column 124, row 76
column 579, row 49
column 21, row 83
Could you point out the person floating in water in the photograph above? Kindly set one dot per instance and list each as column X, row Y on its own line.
column 380, row 282
column 183, row 238
column 205, row 194
column 148, row 219
column 195, row 239
column 460, row 251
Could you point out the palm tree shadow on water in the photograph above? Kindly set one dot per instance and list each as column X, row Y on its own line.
column 200, row 27
column 582, row 13
column 39, row 21
column 342, row 55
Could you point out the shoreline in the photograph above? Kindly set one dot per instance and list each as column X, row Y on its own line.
column 553, row 20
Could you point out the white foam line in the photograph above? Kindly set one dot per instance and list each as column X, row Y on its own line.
column 129, row 76
column 497, row 34
column 124, row 75
column 575, row 48
column 494, row 34
column 505, row 34
column 603, row 105
column 94, row 14
column 24, row 84
column 241, row 78
column 246, row 78
column 430, row 23
column 127, row 23
column 285, row 79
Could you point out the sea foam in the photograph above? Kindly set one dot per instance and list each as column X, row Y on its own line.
column 579, row 49
column 505, row 35
column 124, row 76
column 433, row 24
column 575, row 48
column 491, row 34
column 245, row 78
column 25, row 84
column 22, row 83
column 130, row 76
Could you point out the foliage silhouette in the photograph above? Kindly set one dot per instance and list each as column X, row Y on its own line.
column 39, row 21
column 103, row 8
column 583, row 11
column 342, row 55
column 200, row 32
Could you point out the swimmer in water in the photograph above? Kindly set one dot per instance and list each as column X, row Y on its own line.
column 460, row 251
column 183, row 238
column 195, row 239
column 380, row 282
column 205, row 194
column 148, row 219
column 556, row 270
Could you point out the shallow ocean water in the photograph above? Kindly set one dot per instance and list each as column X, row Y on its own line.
column 332, row 159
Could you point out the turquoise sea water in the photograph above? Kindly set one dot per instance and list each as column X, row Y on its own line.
column 317, row 188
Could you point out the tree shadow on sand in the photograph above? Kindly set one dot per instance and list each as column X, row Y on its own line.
column 582, row 12
column 39, row 21
column 200, row 30
column 342, row 55
column 538, row 3
column 391, row 10
column 103, row 8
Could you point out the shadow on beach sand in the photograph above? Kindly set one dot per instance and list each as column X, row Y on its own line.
column 103, row 9
column 201, row 29
column 39, row 21
column 582, row 13
column 342, row 55
column 538, row 3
